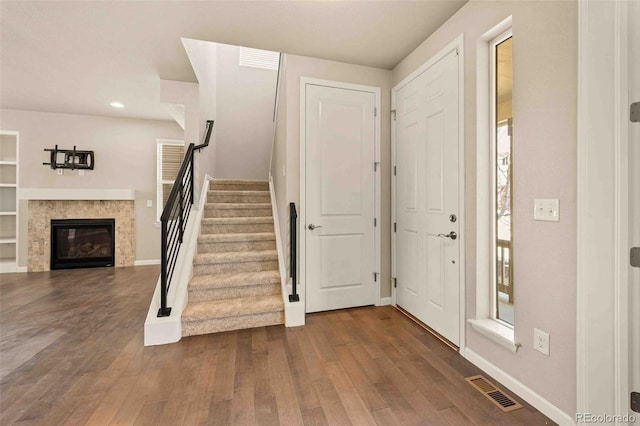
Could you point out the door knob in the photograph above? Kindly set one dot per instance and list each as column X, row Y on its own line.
column 312, row 226
column 451, row 235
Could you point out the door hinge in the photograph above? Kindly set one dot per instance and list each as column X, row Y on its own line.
column 634, row 112
column 635, row 401
column 394, row 170
column 375, row 277
column 394, row 226
column 375, row 221
column 375, row 112
column 634, row 257
column 375, row 166
column 393, row 114
column 395, row 283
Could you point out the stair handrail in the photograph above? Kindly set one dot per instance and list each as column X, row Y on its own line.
column 207, row 136
column 174, row 219
column 293, row 226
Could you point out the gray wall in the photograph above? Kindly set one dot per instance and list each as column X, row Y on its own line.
column 244, row 117
column 544, row 107
column 125, row 158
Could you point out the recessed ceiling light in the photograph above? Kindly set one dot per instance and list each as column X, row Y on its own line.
column 117, row 104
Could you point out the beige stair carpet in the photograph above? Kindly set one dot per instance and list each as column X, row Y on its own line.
column 235, row 283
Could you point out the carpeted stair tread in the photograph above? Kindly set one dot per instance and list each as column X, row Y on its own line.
column 205, row 282
column 239, row 237
column 237, row 206
column 216, row 309
column 218, row 325
column 239, row 182
column 236, row 220
column 235, row 257
column 238, row 192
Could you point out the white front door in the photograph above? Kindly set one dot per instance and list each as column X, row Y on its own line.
column 634, row 199
column 427, row 194
column 339, row 192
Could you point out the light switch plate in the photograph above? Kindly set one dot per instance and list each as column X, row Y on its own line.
column 149, row 203
column 547, row 209
column 60, row 172
column 80, row 172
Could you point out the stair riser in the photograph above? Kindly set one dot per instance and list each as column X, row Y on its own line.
column 236, row 246
column 233, row 292
column 237, row 213
column 239, row 187
column 240, row 228
column 232, row 323
column 238, row 198
column 223, row 268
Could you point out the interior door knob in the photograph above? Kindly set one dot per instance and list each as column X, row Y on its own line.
column 312, row 226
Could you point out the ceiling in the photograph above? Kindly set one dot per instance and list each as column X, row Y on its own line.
column 77, row 57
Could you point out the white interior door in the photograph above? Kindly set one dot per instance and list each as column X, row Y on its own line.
column 634, row 198
column 339, row 205
column 427, row 263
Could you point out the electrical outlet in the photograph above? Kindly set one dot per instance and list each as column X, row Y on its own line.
column 541, row 341
column 80, row 172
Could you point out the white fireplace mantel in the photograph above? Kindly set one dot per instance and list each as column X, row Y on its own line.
column 75, row 194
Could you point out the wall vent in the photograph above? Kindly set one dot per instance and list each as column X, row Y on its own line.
column 258, row 58
column 495, row 395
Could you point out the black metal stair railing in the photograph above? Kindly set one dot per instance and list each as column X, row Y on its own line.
column 174, row 219
column 293, row 226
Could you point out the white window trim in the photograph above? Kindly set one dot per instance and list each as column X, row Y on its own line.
column 159, row 182
column 485, row 322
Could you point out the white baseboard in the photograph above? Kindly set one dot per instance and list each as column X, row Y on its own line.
column 384, row 301
column 146, row 262
column 520, row 389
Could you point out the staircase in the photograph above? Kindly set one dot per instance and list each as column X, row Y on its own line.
column 235, row 283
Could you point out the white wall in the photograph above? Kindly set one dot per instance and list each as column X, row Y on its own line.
column 203, row 57
column 125, row 158
column 544, row 108
column 244, row 124
column 279, row 162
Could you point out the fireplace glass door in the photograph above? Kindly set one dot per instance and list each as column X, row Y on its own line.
column 82, row 243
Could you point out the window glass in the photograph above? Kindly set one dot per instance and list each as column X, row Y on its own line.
column 504, row 288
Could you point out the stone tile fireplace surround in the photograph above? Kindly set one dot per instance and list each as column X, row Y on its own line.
column 44, row 205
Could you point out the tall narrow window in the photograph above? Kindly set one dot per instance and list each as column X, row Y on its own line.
column 503, row 177
column 170, row 156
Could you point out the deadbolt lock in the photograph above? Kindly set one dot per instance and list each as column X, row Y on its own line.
column 453, row 218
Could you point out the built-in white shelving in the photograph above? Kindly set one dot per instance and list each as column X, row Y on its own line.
column 8, row 201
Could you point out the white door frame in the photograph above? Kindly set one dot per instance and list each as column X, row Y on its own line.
column 456, row 45
column 303, row 178
column 603, row 215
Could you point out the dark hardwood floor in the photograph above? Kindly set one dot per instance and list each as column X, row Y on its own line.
column 71, row 352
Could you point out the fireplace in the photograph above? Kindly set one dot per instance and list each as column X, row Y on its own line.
column 82, row 243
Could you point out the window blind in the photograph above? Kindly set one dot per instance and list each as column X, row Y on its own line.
column 170, row 158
